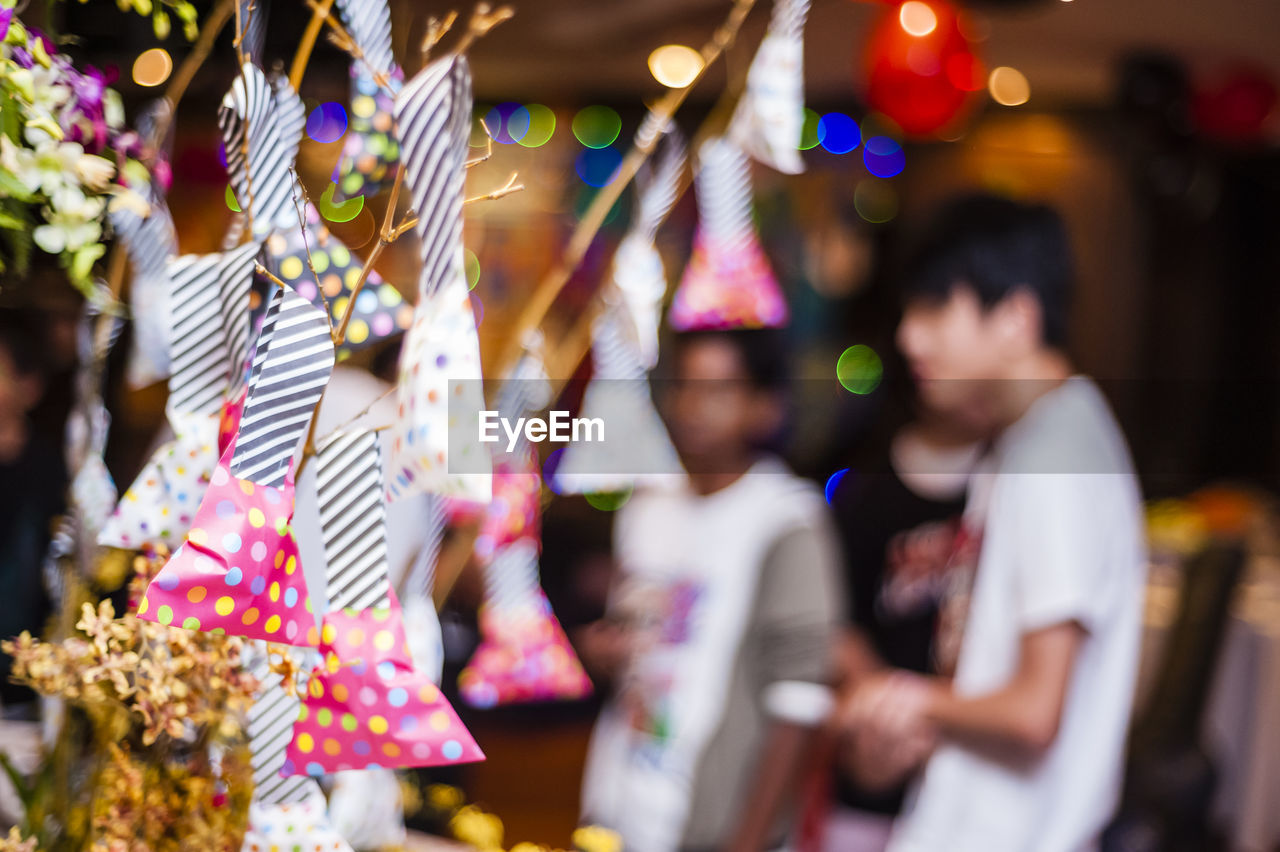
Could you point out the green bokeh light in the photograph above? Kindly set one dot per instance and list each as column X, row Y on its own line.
column 597, row 126
column 809, row 130
column 542, row 124
column 859, row 369
column 610, row 501
column 473, row 269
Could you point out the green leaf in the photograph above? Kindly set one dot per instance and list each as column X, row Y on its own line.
column 10, row 222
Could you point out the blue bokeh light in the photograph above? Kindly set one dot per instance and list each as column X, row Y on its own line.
column 883, row 157
column 838, row 133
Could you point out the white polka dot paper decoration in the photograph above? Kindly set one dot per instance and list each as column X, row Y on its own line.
column 302, row 826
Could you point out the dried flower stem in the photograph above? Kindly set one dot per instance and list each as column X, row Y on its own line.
column 436, row 29
column 544, row 295
column 302, row 56
column 386, row 237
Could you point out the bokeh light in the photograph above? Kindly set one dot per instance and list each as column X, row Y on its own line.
column 508, row 122
column 1008, row 86
column 597, row 126
column 875, row 201
column 327, row 122
column 833, row 482
column 839, row 133
column 232, row 202
column 675, row 65
column 883, row 157
column 479, row 138
column 610, row 501
column 917, row 18
column 339, row 211
column 859, row 369
column 152, row 67
column 472, row 264
column 598, row 166
column 542, row 125
column 809, row 130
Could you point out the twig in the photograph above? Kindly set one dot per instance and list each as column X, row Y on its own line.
column 266, row 273
column 510, row 187
column 386, row 237
column 542, row 298
column 306, row 243
column 302, row 56
column 436, row 29
column 488, row 147
column 482, row 20
column 341, row 37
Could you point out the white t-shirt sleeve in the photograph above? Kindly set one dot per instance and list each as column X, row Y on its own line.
column 1059, row 527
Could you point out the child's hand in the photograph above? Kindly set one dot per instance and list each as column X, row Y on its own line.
column 886, row 727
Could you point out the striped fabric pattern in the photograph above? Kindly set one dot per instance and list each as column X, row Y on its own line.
column 253, row 18
column 272, row 118
column 270, row 729
column 369, row 23
column 291, row 367
column 420, row 580
column 353, row 520
column 433, row 112
column 210, row 327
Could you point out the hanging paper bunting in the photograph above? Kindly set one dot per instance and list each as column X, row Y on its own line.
column 369, row 24
column 253, row 19
column 207, row 341
column 380, row 311
column 210, row 333
column 637, row 266
column 238, row 570
column 637, row 447
column 290, row 370
column 353, row 520
column 261, row 128
column 150, row 241
column 301, row 824
column 524, row 655
column 270, row 727
column 728, row 282
column 435, row 445
column 366, row 707
column 769, row 118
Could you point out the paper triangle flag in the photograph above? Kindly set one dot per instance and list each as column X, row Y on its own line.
column 238, row 572
column 269, row 726
column 770, row 116
column 728, row 283
column 637, row 448
column 524, row 655
column 367, row 708
column 380, row 311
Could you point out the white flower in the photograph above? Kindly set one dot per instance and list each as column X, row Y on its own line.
column 53, row 164
column 95, row 172
column 72, row 221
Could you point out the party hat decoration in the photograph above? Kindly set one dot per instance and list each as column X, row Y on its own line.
column 262, row 125
column 768, row 120
column 366, row 707
column 728, row 283
column 238, row 569
column 237, row 572
column 298, row 825
column 150, row 241
column 207, row 339
column 435, row 446
column 637, row 446
column 380, row 311
column 524, row 655
column 637, row 267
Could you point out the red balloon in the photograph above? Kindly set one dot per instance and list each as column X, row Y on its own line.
column 1236, row 107
column 922, row 82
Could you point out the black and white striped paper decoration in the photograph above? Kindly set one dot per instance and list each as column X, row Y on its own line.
column 253, row 20
column 209, row 296
column 353, row 520
column 769, row 118
column 511, row 578
column 433, row 114
column 272, row 117
column 369, row 23
column 291, row 367
column 150, row 241
column 270, row 729
column 420, row 580
column 723, row 185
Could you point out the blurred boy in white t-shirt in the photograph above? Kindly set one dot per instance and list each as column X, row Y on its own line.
column 1022, row 748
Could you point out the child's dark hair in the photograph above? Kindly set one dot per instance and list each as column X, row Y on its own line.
column 763, row 352
column 996, row 245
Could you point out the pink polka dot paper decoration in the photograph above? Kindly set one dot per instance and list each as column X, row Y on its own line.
column 514, row 510
column 238, row 571
column 524, row 655
column 367, row 708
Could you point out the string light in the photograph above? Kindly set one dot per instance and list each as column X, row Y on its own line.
column 152, row 67
column 917, row 18
column 675, row 65
column 1008, row 86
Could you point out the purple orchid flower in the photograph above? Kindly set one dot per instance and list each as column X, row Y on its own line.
column 6, row 16
column 22, row 56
